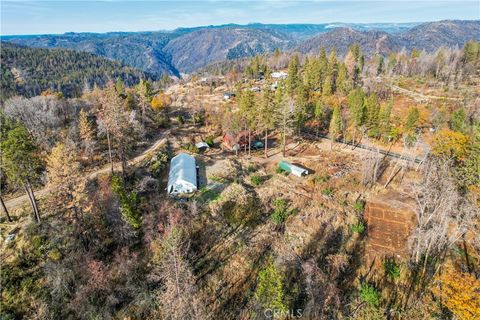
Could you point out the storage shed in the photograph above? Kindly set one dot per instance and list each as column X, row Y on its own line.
column 293, row 169
column 182, row 177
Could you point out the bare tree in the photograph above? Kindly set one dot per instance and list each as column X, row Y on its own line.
column 443, row 215
column 179, row 298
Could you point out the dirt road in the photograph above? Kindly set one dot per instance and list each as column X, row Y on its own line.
column 19, row 201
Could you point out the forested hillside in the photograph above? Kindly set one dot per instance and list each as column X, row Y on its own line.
column 29, row 71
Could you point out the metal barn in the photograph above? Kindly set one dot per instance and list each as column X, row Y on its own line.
column 182, row 177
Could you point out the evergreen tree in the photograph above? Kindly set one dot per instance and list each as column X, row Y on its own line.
column 144, row 96
column 248, row 112
column 356, row 105
column 327, row 86
column 336, row 124
column 19, row 159
column 372, row 107
column 319, row 114
column 385, row 125
column 65, row 175
column 301, row 106
column 285, row 107
column 293, row 79
column 342, row 79
column 267, row 114
column 269, row 292
column 87, row 133
column 121, row 130
column 128, row 203
column 323, row 66
column 458, row 121
column 411, row 124
column 332, row 70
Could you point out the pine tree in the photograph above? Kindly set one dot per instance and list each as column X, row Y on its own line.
column 301, row 105
column 267, row 114
column 458, row 121
column 327, row 86
column 411, row 124
column 87, row 133
column 332, row 70
column 293, row 79
column 323, row 66
column 356, row 105
column 19, row 159
column 65, row 175
column 372, row 107
column 270, row 292
column 336, row 124
column 385, row 125
column 342, row 79
column 248, row 111
column 319, row 113
column 143, row 90
column 119, row 127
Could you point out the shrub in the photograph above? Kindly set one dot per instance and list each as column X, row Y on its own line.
column 209, row 141
column 369, row 295
column 359, row 206
column 159, row 162
column 391, row 268
column 180, row 119
column 270, row 292
column 128, row 203
column 256, row 180
column 190, row 147
column 279, row 170
column 358, row 227
column 281, row 212
column 327, row 191
column 321, row 179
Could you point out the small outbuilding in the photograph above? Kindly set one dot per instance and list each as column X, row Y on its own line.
column 279, row 75
column 293, row 169
column 182, row 177
column 228, row 95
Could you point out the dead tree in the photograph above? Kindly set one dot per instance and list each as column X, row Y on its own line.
column 443, row 215
column 179, row 298
column 4, row 207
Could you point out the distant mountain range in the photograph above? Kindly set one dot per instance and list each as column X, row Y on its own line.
column 187, row 49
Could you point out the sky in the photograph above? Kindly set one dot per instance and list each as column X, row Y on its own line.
column 47, row 17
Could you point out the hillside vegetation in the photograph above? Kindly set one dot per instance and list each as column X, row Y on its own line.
column 30, row 71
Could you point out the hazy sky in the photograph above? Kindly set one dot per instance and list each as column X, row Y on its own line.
column 36, row 17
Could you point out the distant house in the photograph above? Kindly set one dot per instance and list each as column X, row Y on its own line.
column 182, row 177
column 230, row 142
column 279, row 75
column 241, row 141
column 228, row 95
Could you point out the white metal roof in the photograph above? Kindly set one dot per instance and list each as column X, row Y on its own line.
column 298, row 171
column 182, row 177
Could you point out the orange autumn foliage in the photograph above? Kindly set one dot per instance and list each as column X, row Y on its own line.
column 161, row 101
column 450, row 144
column 459, row 292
